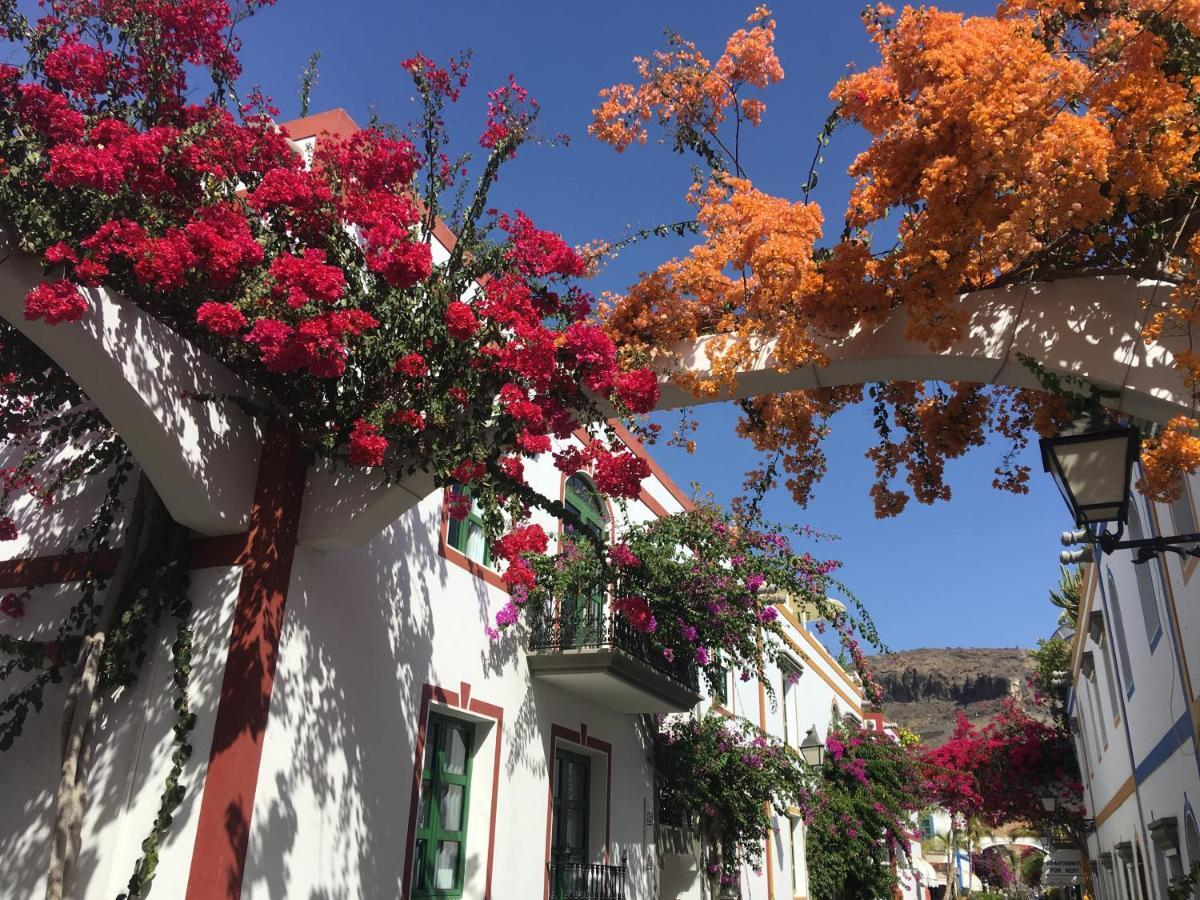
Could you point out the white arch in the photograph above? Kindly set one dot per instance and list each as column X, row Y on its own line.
column 1088, row 327
column 994, row 841
column 203, row 459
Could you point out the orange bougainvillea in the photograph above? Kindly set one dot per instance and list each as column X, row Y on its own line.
column 681, row 89
column 1054, row 138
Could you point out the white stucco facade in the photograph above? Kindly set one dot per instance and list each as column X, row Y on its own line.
column 1133, row 708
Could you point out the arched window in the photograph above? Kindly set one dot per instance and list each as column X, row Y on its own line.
column 1118, row 630
column 582, row 498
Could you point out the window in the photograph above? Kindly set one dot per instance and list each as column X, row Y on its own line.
column 1141, row 870
column 1183, row 516
column 790, row 676
column 1119, row 634
column 1094, row 693
column 720, row 695
column 1145, row 583
column 1085, row 738
column 468, row 536
column 796, row 845
column 586, row 502
column 1110, row 677
column 581, row 496
column 438, row 851
column 572, row 789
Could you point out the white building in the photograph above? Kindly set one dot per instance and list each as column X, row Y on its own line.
column 822, row 692
column 1133, row 708
column 357, row 733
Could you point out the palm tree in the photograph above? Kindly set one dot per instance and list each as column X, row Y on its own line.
column 1066, row 598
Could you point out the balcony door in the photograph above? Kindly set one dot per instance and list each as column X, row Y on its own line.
column 583, row 615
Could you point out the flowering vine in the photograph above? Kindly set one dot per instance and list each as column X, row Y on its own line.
column 726, row 776
column 1049, row 140
column 859, row 815
column 700, row 586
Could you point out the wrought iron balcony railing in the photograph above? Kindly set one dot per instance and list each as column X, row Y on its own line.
column 582, row 629
column 583, row 881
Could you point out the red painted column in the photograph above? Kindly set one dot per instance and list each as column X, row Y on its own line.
column 219, row 854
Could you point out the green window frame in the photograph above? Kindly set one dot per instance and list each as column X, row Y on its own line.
column 439, row 846
column 580, row 496
column 721, row 675
column 461, row 531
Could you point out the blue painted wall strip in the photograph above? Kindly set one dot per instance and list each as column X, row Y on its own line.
column 1180, row 732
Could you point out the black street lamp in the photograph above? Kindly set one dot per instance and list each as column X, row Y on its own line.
column 812, row 750
column 1092, row 464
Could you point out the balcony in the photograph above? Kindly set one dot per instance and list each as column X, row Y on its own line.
column 581, row 881
column 600, row 656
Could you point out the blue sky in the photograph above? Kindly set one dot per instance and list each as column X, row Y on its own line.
column 971, row 572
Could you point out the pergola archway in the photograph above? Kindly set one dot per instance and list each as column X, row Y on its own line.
column 203, row 458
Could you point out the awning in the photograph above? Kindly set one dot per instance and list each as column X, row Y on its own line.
column 921, row 867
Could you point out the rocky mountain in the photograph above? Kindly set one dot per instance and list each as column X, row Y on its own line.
column 924, row 689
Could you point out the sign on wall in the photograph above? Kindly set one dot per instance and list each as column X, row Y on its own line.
column 1062, row 867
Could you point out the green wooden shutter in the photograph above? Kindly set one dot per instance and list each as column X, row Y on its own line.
column 439, row 848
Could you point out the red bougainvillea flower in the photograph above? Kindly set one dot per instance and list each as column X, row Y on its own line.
column 618, row 474
column 519, row 575
column 55, row 302
column 12, row 605
column 458, row 505
column 622, row 556
column 460, row 321
column 408, row 418
column 637, row 611
column 367, row 445
column 412, row 365
column 468, row 471
column 8, row 529
column 299, row 279
column 78, row 67
column 519, row 541
column 222, row 319
column 638, row 390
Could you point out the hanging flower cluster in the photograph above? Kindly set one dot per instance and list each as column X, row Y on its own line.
column 728, row 776
column 859, row 814
column 700, row 586
column 1000, row 771
column 309, row 274
column 1049, row 140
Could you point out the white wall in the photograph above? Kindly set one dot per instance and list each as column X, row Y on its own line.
column 1140, row 766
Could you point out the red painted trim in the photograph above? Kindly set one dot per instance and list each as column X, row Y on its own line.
column 227, row 804
column 59, row 568
column 581, row 435
column 492, row 711
column 418, row 767
column 429, row 693
column 580, row 738
column 38, row 570
column 226, row 550
column 634, row 443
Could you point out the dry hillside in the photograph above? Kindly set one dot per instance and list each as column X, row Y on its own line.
column 923, row 689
